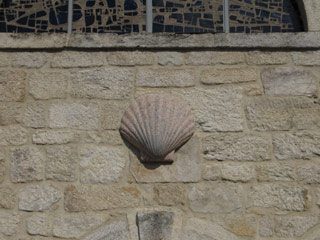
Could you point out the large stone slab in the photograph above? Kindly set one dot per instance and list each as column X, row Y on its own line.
column 309, row 173
column 132, row 58
column 113, row 231
column 214, row 57
column 48, row 137
column 72, row 59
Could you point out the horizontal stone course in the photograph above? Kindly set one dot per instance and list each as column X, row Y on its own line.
column 72, row 59
column 211, row 58
column 130, row 58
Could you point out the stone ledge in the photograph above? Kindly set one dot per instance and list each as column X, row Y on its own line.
column 303, row 40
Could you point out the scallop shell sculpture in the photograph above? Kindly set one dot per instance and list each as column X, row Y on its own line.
column 157, row 124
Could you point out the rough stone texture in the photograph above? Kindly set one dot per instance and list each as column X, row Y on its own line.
column 6, row 59
column 2, row 166
column 48, row 84
column 236, row 147
column 9, row 223
column 266, row 227
column 112, row 113
column 294, row 226
column 239, row 224
column 39, row 224
column 75, row 226
column 99, row 197
column 105, row 84
column 185, row 168
column 280, row 196
column 196, row 228
column 270, row 114
column 108, row 137
column 13, row 135
column 170, row 58
column 311, row 8
column 228, row 75
column 34, row 115
column 155, row 225
column 71, row 59
column 309, row 173
column 29, row 59
column 211, row 58
column 12, row 85
column 314, row 235
column 44, row 137
column 311, row 58
column 79, row 115
column 7, row 197
column 130, row 58
column 298, row 145
column 169, row 195
column 289, row 81
column 10, row 113
column 215, row 198
column 215, row 109
column 113, row 231
column 101, row 164
column 61, row 163
column 238, row 172
column 26, row 164
column 267, row 58
column 211, row 171
column 275, row 172
column 165, row 78
column 318, row 196
column 39, row 197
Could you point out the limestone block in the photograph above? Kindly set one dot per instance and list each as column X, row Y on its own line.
column 212, row 58
column 318, row 196
column 29, row 59
column 211, row 171
column 112, row 112
column 267, row 58
column 170, row 58
column 239, row 224
column 104, row 84
column 13, row 135
column 289, row 81
column 2, row 166
column 78, row 115
column 169, row 194
column 6, row 58
column 266, row 226
column 160, row 77
column 61, row 163
column 10, row 113
column 39, row 224
column 72, row 59
column 309, row 173
column 26, row 164
column 12, row 85
column 112, row 231
column 237, row 172
column 9, row 223
column 99, row 137
column 132, row 58
column 269, row 172
column 100, row 197
column 101, row 164
column 236, row 147
column 228, row 75
column 34, row 115
column 7, row 197
column 39, row 197
column 44, row 137
column 48, row 84
column 215, row 197
column 310, row 58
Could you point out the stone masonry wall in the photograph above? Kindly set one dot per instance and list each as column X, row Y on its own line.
column 251, row 171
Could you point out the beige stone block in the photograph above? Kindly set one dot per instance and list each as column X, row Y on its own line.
column 3, row 167
column 118, row 230
column 309, row 173
column 212, row 58
column 9, row 223
column 6, row 58
column 133, row 58
column 107, row 137
column 228, row 75
column 72, row 59
column 112, row 112
column 170, row 58
column 267, row 58
column 10, row 113
column 237, row 172
column 318, row 196
column 39, row 224
column 7, row 197
column 211, row 171
column 165, row 77
column 266, row 226
column 239, row 224
column 34, row 115
column 309, row 58
column 48, row 84
column 12, row 85
column 170, row 194
column 29, row 59
column 44, row 137
column 13, row 135
column 269, row 172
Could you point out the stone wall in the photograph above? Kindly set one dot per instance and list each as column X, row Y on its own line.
column 251, row 171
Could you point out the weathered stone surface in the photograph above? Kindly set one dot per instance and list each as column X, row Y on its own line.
column 318, row 196
column 112, row 112
column 29, row 59
column 237, row 172
column 10, row 113
column 266, row 226
column 267, row 58
column 113, row 231
column 6, row 58
column 184, row 169
column 311, row 58
column 314, row 235
column 79, row 115
column 270, row 172
column 108, row 137
column 253, row 89
column 155, row 225
column 105, row 84
column 294, row 226
column 211, row 58
column 38, row 197
column 228, row 75
column 34, row 115
column 165, row 78
column 211, row 171
column 44, row 137
column 131, row 58
column 26, row 164
column 215, row 197
column 9, row 223
column 169, row 195
column 12, row 85
column 309, row 173
column 298, row 145
column 39, row 224
column 48, row 84
column 71, row 59
column 101, row 164
column 270, row 114
column 7, row 197
column 13, row 135
column 236, row 147
column 239, row 224
column 215, row 109
column 196, row 228
column 170, row 58
column 75, row 226
column 2, row 166
column 61, row 163
column 279, row 196
column 289, row 81
column 99, row 197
